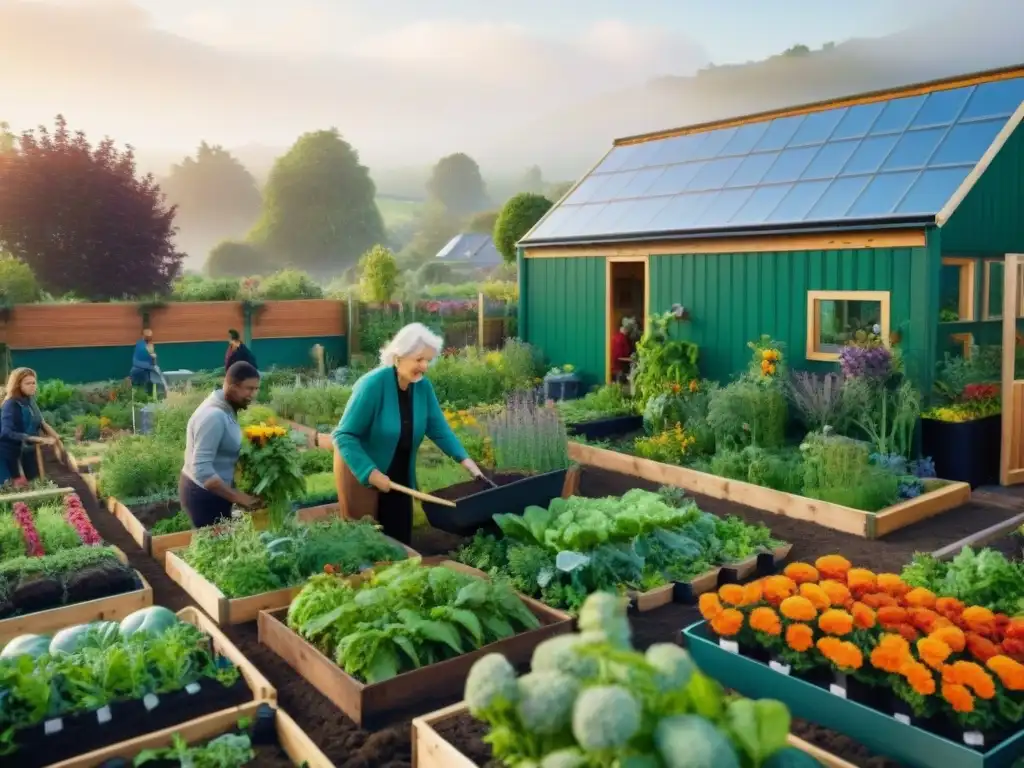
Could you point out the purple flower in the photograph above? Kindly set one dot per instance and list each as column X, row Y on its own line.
column 874, row 362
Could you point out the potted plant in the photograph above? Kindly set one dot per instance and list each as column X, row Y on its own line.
column 562, row 383
column 964, row 436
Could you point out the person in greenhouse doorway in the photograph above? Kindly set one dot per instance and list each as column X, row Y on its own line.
column 22, row 428
column 392, row 409
column 213, row 440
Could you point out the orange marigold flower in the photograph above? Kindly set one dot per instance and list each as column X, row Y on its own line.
column 801, row 573
column 949, row 607
column 798, row 608
column 731, row 594
column 951, row 636
column 861, row 580
column 978, row 619
column 958, row 697
column 892, row 615
column 1015, row 629
column 836, row 622
column 818, row 597
column 1009, row 672
column 863, row 616
column 833, row 567
column 765, row 620
column 919, row 677
column 923, row 618
column 920, row 598
column 933, row 652
column 974, row 677
column 892, row 584
column 878, row 600
column 837, row 592
column 709, row 605
column 908, row 632
column 891, row 653
column 727, row 623
column 777, row 588
column 799, row 637
column 752, row 593
column 981, row 647
column 1013, row 646
column 843, row 654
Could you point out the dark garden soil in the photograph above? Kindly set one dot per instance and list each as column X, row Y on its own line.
column 471, row 487
column 152, row 513
column 350, row 747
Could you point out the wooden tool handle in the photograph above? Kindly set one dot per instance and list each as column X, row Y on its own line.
column 421, row 496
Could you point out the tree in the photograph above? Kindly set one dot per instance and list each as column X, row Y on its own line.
column 558, row 190
column 82, row 220
column 17, row 283
column 216, row 196
column 319, row 212
column 437, row 227
column 532, row 181
column 483, row 222
column 456, row 183
column 435, row 272
column 290, row 284
column 7, row 138
column 516, row 219
column 231, row 258
column 378, row 275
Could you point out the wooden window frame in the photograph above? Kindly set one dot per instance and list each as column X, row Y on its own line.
column 968, row 282
column 966, row 340
column 813, row 317
column 986, row 310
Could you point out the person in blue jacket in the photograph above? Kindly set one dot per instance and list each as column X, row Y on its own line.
column 391, row 410
column 143, row 360
column 21, row 423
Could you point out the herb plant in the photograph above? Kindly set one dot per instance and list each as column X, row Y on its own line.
column 528, row 438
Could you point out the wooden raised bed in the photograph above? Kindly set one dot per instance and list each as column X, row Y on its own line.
column 157, row 546
column 292, row 739
column 869, row 525
column 411, row 691
column 40, row 495
column 217, row 605
column 431, row 750
column 113, row 608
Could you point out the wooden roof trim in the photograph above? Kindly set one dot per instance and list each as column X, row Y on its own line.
column 871, row 97
column 979, row 170
column 831, row 241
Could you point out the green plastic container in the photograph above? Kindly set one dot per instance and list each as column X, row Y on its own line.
column 880, row 733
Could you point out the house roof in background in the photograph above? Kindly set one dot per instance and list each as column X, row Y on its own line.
column 470, row 248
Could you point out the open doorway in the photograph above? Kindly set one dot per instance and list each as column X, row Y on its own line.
column 629, row 287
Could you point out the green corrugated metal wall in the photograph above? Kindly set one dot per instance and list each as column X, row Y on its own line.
column 990, row 220
column 564, row 311
column 735, row 297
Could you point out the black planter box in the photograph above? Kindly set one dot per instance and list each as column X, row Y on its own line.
column 477, row 511
column 610, row 427
column 966, row 451
column 72, row 735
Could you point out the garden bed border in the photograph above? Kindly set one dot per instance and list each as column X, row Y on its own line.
column 292, row 739
column 218, row 606
column 112, row 608
column 867, row 525
column 364, row 702
column 431, row 750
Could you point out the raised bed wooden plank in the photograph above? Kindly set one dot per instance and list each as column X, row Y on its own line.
column 836, row 516
column 980, row 538
column 27, row 496
column 411, row 691
column 112, row 608
column 217, row 605
column 431, row 750
column 258, row 684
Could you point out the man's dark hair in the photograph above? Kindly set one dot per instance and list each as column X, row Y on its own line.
column 242, row 371
column 234, row 335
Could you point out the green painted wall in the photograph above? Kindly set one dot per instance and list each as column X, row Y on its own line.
column 86, row 364
column 563, row 309
column 990, row 220
column 735, row 297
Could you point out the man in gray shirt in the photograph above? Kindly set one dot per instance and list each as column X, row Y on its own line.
column 212, row 445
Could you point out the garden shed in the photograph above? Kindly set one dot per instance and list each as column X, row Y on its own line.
column 900, row 209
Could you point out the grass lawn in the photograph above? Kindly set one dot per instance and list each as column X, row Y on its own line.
column 398, row 212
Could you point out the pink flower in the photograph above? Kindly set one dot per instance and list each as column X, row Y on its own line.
column 23, row 516
column 77, row 518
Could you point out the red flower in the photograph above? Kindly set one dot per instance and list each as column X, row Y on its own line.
column 23, row 516
column 77, row 518
column 975, row 392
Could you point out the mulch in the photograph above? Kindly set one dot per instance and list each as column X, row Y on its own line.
column 351, row 747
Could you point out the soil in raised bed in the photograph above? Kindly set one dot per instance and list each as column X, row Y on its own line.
column 474, row 486
column 152, row 513
column 42, row 593
column 267, row 756
column 350, row 747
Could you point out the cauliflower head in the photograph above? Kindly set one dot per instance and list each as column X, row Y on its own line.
column 491, row 679
column 605, row 717
column 605, row 612
column 560, row 654
column 564, row 758
column 673, row 666
column 546, row 700
column 690, row 741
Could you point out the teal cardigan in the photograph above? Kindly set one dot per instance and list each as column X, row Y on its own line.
column 367, row 435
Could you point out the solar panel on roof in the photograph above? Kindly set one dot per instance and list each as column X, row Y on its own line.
column 901, row 156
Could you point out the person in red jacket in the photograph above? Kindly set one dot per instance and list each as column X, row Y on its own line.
column 622, row 348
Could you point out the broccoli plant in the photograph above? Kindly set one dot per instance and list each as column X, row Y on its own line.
column 592, row 701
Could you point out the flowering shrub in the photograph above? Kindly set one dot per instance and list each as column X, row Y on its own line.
column 977, row 401
column 670, row 446
column 76, row 517
column 872, row 361
column 938, row 655
column 23, row 516
column 766, row 362
column 472, row 434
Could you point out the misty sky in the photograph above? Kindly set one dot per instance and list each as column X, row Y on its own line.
column 405, row 80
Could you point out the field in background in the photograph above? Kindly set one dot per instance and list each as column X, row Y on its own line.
column 398, row 212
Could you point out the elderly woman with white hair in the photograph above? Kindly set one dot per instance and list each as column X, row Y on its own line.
column 391, row 409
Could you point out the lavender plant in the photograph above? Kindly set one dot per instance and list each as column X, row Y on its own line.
column 865, row 361
column 819, row 400
column 528, row 438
